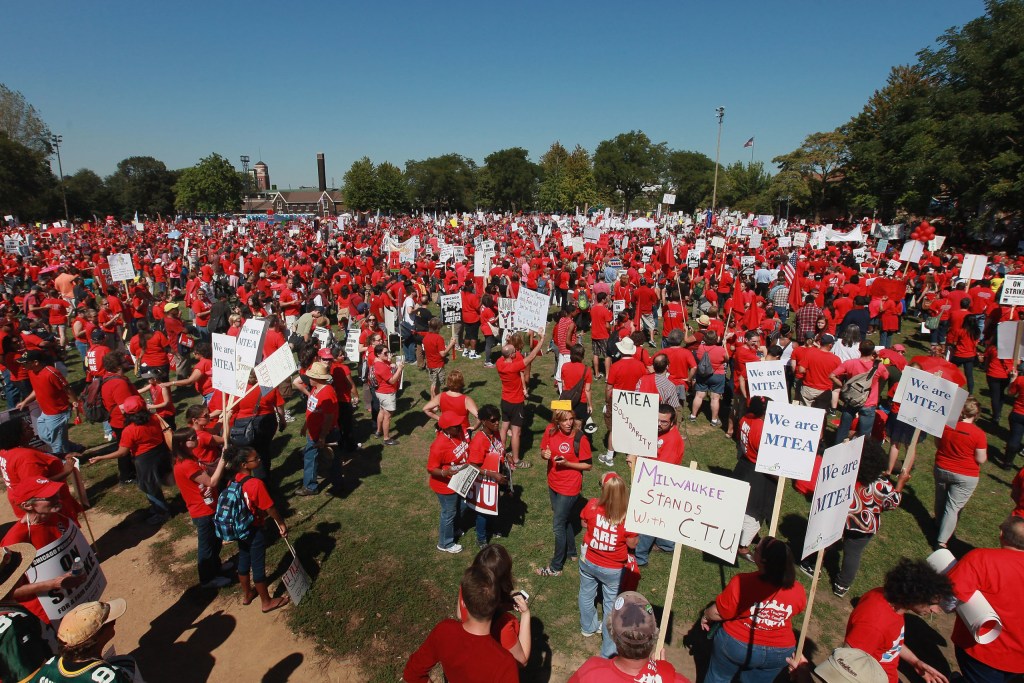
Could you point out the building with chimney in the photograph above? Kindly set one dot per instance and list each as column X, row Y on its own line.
column 303, row 201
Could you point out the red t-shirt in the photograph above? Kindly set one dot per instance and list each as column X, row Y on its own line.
column 155, row 353
column 876, row 628
column 600, row 319
column 257, row 498
column 141, row 439
column 625, row 373
column 750, row 436
column 744, row 354
column 749, row 603
column 444, row 452
column 819, row 365
column 511, row 382
column 601, row 670
column 115, row 391
column 571, row 374
column 956, row 449
column 604, row 543
column 466, row 657
column 858, row 366
column 204, row 385
column 51, row 390
column 40, row 536
column 207, row 450
column 454, row 404
column 253, row 403
column 680, row 361
column 717, row 356
column 321, row 405
column 199, row 500
column 999, row 574
column 671, row 447
column 433, row 348
column 342, row 376
column 383, row 372
column 20, row 463
column 568, row 482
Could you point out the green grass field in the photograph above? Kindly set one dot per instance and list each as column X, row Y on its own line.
column 380, row 585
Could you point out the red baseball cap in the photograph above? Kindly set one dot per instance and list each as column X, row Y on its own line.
column 27, row 489
column 133, row 404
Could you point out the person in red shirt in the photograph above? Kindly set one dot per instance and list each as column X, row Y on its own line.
column 714, row 383
column 19, row 462
column 600, row 329
column 623, row 375
column 817, row 363
column 199, row 492
column 57, row 317
column 577, row 381
column 671, row 449
column 384, row 380
column 115, row 390
column 606, row 545
column 567, row 453
column 510, row 367
column 865, row 414
column 963, row 341
column 159, row 401
column 756, row 609
column 958, row 458
column 876, row 625
column 150, row 350
column 997, row 374
column 448, row 455
column 202, row 373
column 201, row 314
column 55, row 397
column 750, row 351
column 436, row 353
column 321, row 425
column 470, row 320
column 646, row 299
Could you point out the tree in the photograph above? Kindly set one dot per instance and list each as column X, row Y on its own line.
column 444, row 183
column 390, row 193
column 551, row 191
column 513, row 178
column 691, row 175
column 789, row 189
column 579, row 185
column 360, row 185
column 22, row 123
column 211, row 186
column 28, row 189
column 745, row 187
column 88, row 195
column 627, row 164
column 819, row 160
column 142, row 184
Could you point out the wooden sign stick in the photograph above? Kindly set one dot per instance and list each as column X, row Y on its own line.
column 670, row 592
column 908, row 460
column 810, row 604
column 779, row 489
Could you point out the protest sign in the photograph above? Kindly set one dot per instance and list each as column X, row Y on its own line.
column 1013, row 291
column 506, row 313
column 462, row 481
column 296, row 581
column 747, row 261
column 700, row 245
column 785, row 241
column 768, row 378
column 646, row 253
column 618, row 305
column 459, row 253
column 833, row 492
column 54, row 560
column 718, row 242
column 531, row 310
column 390, row 320
column 635, row 423
column 276, row 368
column 693, row 259
column 451, row 308
column 668, row 198
column 912, row 251
column 121, row 267
column 882, row 246
column 935, row 243
column 800, row 240
column 352, row 346
column 755, row 240
column 224, row 365
column 591, row 234
column 577, row 245
column 860, row 254
column 789, row 440
column 928, row 402
column 892, row 267
column 446, row 252
column 483, row 497
column 249, row 347
column 693, row 508
column 11, row 245
column 973, row 267
column 567, row 240
column 1008, row 340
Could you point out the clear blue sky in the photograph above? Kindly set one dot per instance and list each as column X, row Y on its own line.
column 408, row 80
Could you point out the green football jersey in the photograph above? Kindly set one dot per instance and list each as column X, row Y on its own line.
column 23, row 643
column 119, row 670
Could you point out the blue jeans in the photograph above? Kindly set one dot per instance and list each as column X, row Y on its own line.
column 53, row 431
column 644, row 545
column 451, row 505
column 252, row 554
column 309, row 456
column 409, row 349
column 885, row 338
column 753, row 663
column 83, row 349
column 977, row 672
column 565, row 533
column 10, row 390
column 592, row 576
column 864, row 425
column 209, row 548
column 481, row 528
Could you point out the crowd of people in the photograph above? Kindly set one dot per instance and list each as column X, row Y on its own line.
column 668, row 313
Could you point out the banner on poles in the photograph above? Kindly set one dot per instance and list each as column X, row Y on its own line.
column 789, row 440
column 451, row 308
column 635, row 423
column 768, row 378
column 927, row 402
column 697, row 509
column 835, row 488
column 531, row 310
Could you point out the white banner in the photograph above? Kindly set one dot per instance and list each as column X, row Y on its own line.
column 1006, row 336
column 54, row 560
column 912, row 251
column 927, row 402
column 635, row 423
column 789, row 440
column 121, row 267
column 531, row 310
column 697, row 509
column 768, row 378
column 1013, row 291
column 835, row 488
column 718, row 242
column 276, row 368
column 973, row 267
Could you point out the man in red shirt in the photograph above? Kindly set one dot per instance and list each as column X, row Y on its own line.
column 55, row 397
column 470, row 319
column 817, row 363
column 624, row 375
column 436, row 353
column 321, row 424
column 513, row 398
column 600, row 329
column 671, row 449
column 646, row 299
column 116, row 389
column 748, row 352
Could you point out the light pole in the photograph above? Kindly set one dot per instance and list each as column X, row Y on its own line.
column 56, row 140
column 245, row 171
column 720, row 112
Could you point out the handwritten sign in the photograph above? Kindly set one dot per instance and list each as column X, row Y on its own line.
column 800, row 240
column 833, row 492
column 912, row 251
column 718, row 242
column 928, row 402
column 506, row 313
column 225, row 369
column 451, row 308
column 121, row 267
column 635, row 423
column 531, row 310
column 296, row 581
column 785, row 242
column 768, row 378
column 697, row 509
column 789, row 440
column 276, row 368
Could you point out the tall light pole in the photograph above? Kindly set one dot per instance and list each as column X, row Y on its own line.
column 56, row 140
column 245, row 171
column 720, row 112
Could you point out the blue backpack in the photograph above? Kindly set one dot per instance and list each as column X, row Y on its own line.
column 233, row 519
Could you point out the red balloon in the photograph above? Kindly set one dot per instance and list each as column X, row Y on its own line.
column 915, row 236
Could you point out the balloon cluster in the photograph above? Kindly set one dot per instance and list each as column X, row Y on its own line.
column 923, row 232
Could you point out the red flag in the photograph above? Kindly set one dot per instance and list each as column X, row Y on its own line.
column 796, row 299
column 668, row 254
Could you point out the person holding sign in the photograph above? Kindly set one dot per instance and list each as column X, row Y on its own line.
column 958, row 459
column 606, row 545
column 513, row 395
column 199, row 492
column 567, row 453
column 762, row 486
column 486, row 452
column 321, row 425
column 448, row 455
column 755, row 612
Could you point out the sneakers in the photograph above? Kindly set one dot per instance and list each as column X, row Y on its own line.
column 585, row 634
column 807, row 568
column 306, row 492
column 218, row 582
column 473, row 355
column 488, row 365
column 840, row 591
column 606, row 460
column 716, row 423
column 454, row 549
column 391, row 442
column 693, row 418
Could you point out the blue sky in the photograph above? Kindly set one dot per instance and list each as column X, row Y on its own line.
column 408, row 80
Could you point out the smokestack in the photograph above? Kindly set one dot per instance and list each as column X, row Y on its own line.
column 321, row 170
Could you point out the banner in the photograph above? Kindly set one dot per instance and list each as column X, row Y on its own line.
column 789, row 440
column 483, row 497
column 835, row 488
column 55, row 559
column 973, row 267
column 451, row 308
column 635, row 423
column 531, row 310
column 1013, row 291
column 927, row 402
column 121, row 267
column 768, row 378
column 697, row 509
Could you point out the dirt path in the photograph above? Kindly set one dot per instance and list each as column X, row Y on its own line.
column 196, row 635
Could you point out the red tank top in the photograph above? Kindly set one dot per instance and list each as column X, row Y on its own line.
column 457, row 405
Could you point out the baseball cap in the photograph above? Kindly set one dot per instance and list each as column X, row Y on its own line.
column 850, row 665
column 632, row 619
column 35, row 355
column 170, row 306
column 827, row 339
column 449, row 419
column 133, row 404
column 83, row 622
column 325, row 354
column 27, row 489
column 899, row 347
column 98, row 335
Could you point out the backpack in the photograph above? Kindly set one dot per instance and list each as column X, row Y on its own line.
column 574, row 394
column 582, row 302
column 233, row 520
column 855, row 391
column 93, row 407
column 704, row 367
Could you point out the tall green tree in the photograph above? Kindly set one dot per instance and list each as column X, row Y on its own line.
column 21, row 122
column 579, row 188
column 691, row 176
column 28, row 189
column 819, row 161
column 745, row 187
column 359, row 187
column 444, row 183
column 211, row 186
column 551, row 191
column 627, row 164
column 513, row 178
column 88, row 195
column 390, row 193
column 142, row 184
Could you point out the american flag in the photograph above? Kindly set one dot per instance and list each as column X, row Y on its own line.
column 789, row 270
column 749, row 143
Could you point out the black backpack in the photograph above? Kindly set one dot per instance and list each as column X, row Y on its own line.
column 93, row 407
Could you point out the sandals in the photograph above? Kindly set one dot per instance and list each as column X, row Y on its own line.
column 547, row 571
column 278, row 603
column 523, row 465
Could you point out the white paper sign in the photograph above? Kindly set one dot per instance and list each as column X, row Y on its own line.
column 800, row 240
column 755, row 240
column 531, row 310
column 635, row 423
column 789, row 440
column 1013, row 291
column 296, row 581
column 121, row 267
column 693, row 259
column 973, row 267
column 912, row 251
column 577, row 245
column 249, row 347
column 701, row 245
column 451, row 308
column 927, row 402
column 668, row 198
column 1006, row 336
column 935, row 243
column 835, row 488
column 892, row 267
column 54, row 560
column 768, row 378
column 718, row 242
column 390, row 320
column 506, row 313
column 276, row 368
column 224, row 365
column 463, row 480
column 592, row 234
column 785, row 242
column 352, row 346
column 697, row 509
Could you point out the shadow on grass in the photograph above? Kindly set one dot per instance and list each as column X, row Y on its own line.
column 126, row 534
column 917, row 509
column 697, row 643
column 926, row 643
column 192, row 659
column 313, row 546
column 512, row 512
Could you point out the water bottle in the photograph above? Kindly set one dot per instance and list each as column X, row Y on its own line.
column 77, row 567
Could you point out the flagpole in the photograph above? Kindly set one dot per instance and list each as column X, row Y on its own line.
column 751, row 151
column 720, row 113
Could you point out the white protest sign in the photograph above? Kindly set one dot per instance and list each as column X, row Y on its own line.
column 860, row 254
column 747, row 261
column 718, row 242
column 1006, row 337
column 506, row 313
column 482, row 262
column 618, row 305
column 892, row 267
column 1013, row 291
column 459, row 253
column 882, row 246
column 463, row 480
column 768, row 378
column 352, row 346
column 121, row 267
column 935, row 243
column 697, row 509
column 693, row 259
column 296, row 581
column 577, row 245
column 54, row 560
column 646, row 253
column 927, row 402
column 11, row 245
column 407, row 251
column 800, row 240
column 276, row 368
column 566, row 240
column 789, row 440
column 912, row 251
column 446, row 251
column 785, row 242
column 668, row 198
column 973, row 267
column 755, row 240
column 837, row 479
column 635, row 423
column 531, row 310
column 390, row 320
column 224, row 365
column 591, row 234
column 249, row 343
column 451, row 308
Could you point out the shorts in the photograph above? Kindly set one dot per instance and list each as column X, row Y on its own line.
column 815, row 398
column 437, row 377
column 647, row 322
column 580, row 412
column 472, row 330
column 513, row 413
column 900, row 433
column 600, row 347
column 388, row 402
column 715, row 384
